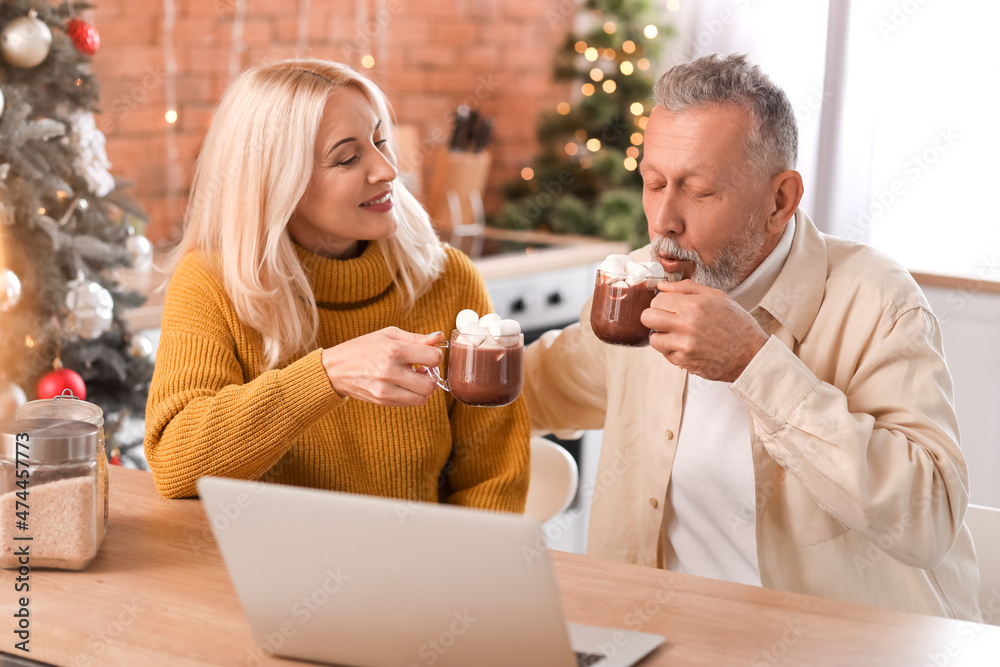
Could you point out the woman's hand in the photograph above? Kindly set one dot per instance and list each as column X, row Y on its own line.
column 378, row 367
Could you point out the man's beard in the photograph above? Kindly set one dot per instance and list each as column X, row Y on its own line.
column 734, row 262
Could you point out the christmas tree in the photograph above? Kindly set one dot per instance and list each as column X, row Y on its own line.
column 584, row 180
column 66, row 235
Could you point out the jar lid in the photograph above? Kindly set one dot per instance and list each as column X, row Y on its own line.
column 48, row 441
column 61, row 407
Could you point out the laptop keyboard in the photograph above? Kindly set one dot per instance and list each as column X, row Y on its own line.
column 588, row 659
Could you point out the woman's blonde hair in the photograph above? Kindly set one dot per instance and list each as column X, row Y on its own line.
column 253, row 169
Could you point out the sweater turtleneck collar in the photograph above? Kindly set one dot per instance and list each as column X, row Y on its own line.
column 344, row 283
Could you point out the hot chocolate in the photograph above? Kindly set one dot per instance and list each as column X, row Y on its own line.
column 617, row 307
column 488, row 375
column 484, row 361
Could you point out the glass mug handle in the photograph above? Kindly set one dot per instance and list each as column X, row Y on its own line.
column 435, row 372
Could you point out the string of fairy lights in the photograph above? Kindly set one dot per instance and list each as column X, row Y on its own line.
column 170, row 94
column 372, row 41
column 365, row 30
column 302, row 43
column 381, row 36
column 583, row 146
column 238, row 45
column 238, row 48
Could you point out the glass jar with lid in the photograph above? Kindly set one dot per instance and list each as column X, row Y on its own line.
column 53, row 481
column 68, row 406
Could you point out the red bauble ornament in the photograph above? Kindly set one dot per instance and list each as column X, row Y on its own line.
column 53, row 383
column 84, row 36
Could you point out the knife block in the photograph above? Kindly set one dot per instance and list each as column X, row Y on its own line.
column 463, row 173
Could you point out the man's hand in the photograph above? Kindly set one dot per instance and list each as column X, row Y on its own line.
column 702, row 330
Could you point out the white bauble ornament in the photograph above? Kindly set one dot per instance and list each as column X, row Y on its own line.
column 140, row 346
column 11, row 396
column 1, row 101
column 92, row 158
column 25, row 41
column 10, row 290
column 141, row 251
column 91, row 309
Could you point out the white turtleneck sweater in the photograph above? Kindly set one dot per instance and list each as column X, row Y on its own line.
column 709, row 519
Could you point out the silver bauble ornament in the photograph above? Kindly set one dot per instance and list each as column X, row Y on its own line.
column 91, row 309
column 141, row 251
column 25, row 41
column 140, row 346
column 10, row 290
column 1, row 101
column 11, row 396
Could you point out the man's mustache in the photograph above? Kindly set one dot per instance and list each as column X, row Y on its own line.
column 666, row 245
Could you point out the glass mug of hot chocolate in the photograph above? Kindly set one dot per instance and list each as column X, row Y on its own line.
column 485, row 365
column 623, row 290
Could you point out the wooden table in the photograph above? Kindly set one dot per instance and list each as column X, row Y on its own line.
column 158, row 594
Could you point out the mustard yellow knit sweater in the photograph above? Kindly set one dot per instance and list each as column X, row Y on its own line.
column 212, row 412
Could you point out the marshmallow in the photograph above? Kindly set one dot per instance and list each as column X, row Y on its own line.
column 467, row 316
column 486, row 320
column 472, row 335
column 655, row 269
column 635, row 280
column 639, row 270
column 489, row 331
column 504, row 328
column 462, row 341
column 491, row 343
column 474, row 329
column 510, row 341
column 622, row 265
column 614, row 264
column 506, row 332
column 620, row 284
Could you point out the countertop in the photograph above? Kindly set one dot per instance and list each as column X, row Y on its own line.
column 544, row 253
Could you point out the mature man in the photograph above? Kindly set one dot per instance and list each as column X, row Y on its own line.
column 791, row 424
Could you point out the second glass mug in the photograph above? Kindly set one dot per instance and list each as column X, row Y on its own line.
column 617, row 306
column 482, row 370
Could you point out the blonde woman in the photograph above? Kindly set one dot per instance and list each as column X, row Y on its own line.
column 286, row 353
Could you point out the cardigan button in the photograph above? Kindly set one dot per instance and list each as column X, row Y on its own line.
column 653, row 503
column 669, row 434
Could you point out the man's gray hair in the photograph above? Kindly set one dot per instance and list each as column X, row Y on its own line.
column 733, row 81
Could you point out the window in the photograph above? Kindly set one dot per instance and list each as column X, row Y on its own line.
column 896, row 107
column 936, row 135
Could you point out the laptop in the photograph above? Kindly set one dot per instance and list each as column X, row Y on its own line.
column 362, row 581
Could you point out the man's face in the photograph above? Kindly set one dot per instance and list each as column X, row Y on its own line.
column 706, row 212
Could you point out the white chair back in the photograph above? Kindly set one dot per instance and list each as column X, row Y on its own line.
column 554, row 480
column 984, row 523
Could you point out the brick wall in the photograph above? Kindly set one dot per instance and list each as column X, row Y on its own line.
column 430, row 56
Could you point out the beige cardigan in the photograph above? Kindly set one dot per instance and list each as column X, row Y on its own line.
column 861, row 488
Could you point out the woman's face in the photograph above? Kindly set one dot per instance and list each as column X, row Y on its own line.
column 349, row 196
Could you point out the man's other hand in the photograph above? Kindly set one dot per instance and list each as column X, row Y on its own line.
column 702, row 330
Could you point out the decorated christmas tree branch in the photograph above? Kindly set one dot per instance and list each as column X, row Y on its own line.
column 64, row 229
